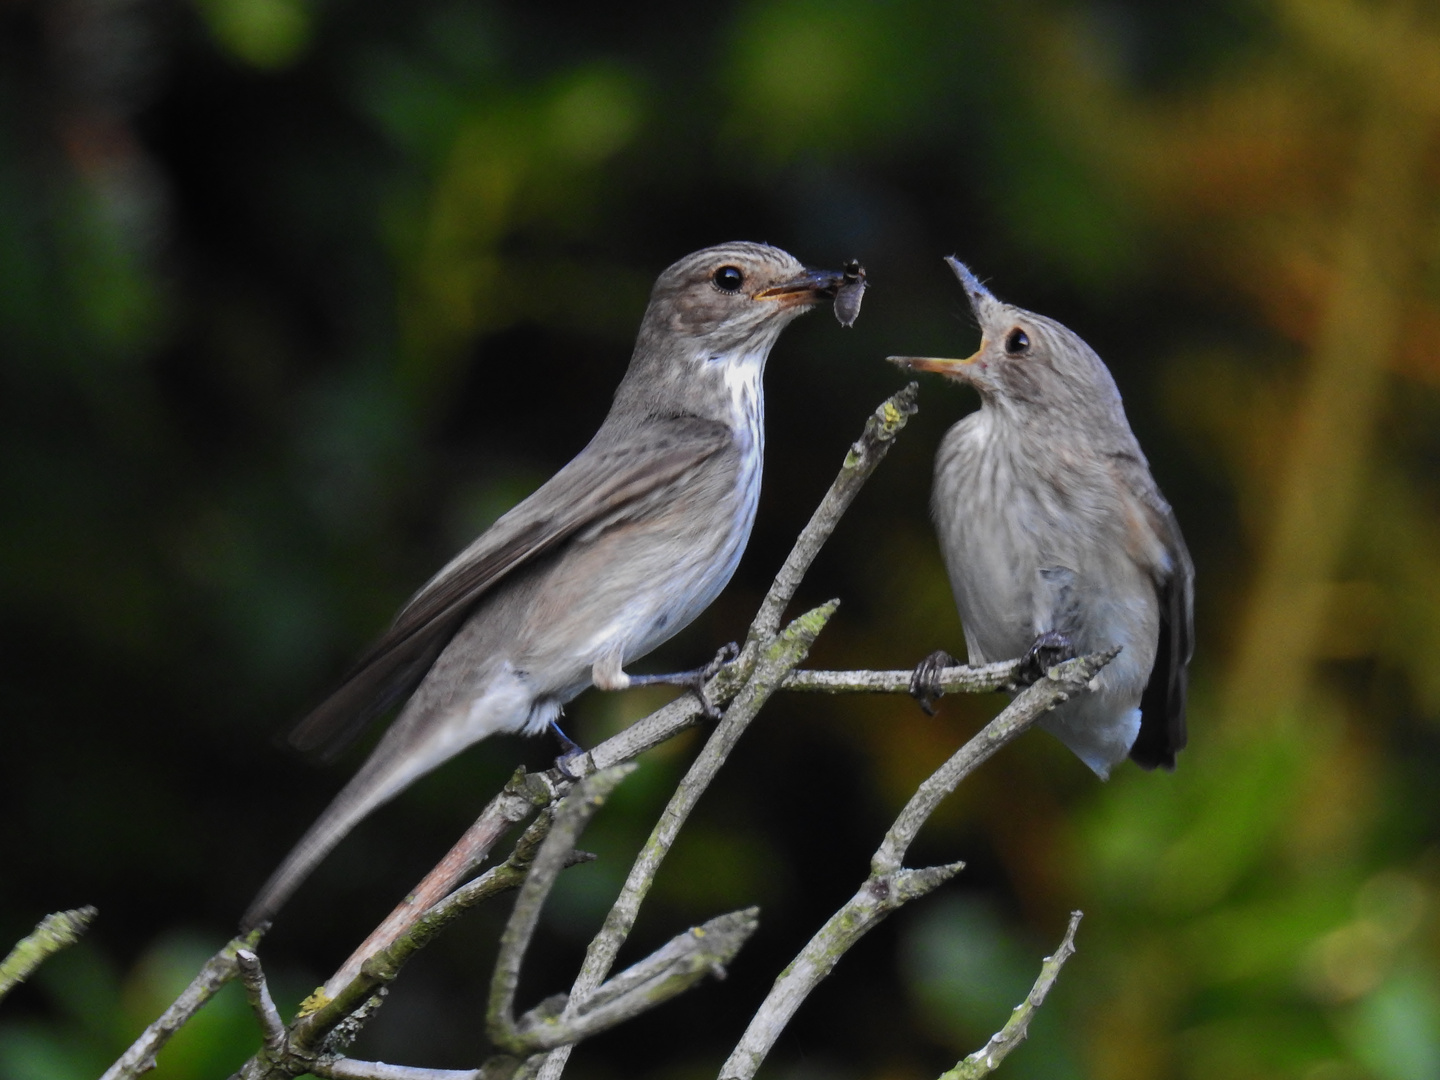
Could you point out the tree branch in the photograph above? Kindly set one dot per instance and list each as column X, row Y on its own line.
column 960, row 679
column 1060, row 683
column 865, row 454
column 670, row 970
column 51, row 934
column 987, row 1059
column 215, row 973
column 774, row 665
column 257, row 992
column 889, row 885
column 570, row 818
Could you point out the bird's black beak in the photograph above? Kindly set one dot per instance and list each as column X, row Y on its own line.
column 845, row 287
column 811, row 287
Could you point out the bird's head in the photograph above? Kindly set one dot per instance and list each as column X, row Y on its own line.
column 736, row 298
column 1025, row 360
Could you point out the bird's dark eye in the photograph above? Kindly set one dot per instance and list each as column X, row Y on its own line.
column 728, row 279
column 1016, row 342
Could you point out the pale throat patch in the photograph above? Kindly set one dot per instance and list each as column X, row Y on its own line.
column 742, row 376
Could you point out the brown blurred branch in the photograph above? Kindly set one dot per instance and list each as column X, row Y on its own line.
column 51, row 934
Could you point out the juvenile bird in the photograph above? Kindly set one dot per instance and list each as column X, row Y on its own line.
column 615, row 554
column 1056, row 538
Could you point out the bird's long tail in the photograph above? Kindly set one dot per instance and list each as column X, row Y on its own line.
column 386, row 773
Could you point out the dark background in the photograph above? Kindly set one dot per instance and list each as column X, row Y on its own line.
column 295, row 297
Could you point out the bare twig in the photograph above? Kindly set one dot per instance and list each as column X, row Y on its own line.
column 257, row 992
column 876, row 899
column 570, row 818
column 866, row 453
column 778, row 659
column 216, row 972
column 985, row 1060
column 960, row 679
column 889, row 885
column 351, row 1069
column 51, row 934
column 670, row 970
column 1060, row 683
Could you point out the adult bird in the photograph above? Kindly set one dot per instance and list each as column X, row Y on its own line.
column 615, row 554
column 1056, row 538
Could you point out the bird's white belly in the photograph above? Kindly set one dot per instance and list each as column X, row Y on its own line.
column 690, row 585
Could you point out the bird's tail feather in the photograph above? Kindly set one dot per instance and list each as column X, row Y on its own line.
column 379, row 780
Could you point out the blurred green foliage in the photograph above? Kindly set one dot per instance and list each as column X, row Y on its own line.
column 295, row 298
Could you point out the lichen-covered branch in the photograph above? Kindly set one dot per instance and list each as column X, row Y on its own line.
column 337, row 1010
column 522, row 795
column 257, row 992
column 382, row 967
column 889, row 884
column 865, row 454
column 1060, row 683
column 987, row 1059
column 877, row 898
column 670, row 970
column 960, row 679
column 216, row 972
column 51, row 934
column 571, row 818
column 775, row 663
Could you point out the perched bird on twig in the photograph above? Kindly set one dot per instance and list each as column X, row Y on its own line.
column 615, row 554
column 1057, row 540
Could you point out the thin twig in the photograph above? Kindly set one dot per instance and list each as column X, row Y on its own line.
column 257, row 992
column 865, row 454
column 876, row 899
column 352, row 1069
column 987, row 1059
column 889, row 885
column 1060, row 683
column 216, row 972
column 672, row 969
column 960, row 679
column 382, row 967
column 570, row 818
column 784, row 652
column 51, row 934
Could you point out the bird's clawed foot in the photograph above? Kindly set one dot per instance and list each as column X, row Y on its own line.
column 1050, row 648
column 569, row 751
column 925, row 682
column 728, row 652
column 695, row 681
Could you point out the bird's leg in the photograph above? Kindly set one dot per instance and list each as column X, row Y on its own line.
column 694, row 681
column 569, row 751
column 925, row 682
column 1050, row 648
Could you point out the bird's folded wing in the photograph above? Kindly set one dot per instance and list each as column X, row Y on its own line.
column 1162, row 705
column 599, row 484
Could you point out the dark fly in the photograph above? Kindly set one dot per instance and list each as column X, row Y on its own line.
column 849, row 295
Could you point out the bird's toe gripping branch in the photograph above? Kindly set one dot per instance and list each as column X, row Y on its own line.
column 695, row 680
column 925, row 682
column 1050, row 648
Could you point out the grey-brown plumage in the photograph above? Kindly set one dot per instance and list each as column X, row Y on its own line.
column 616, row 553
column 1057, row 539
